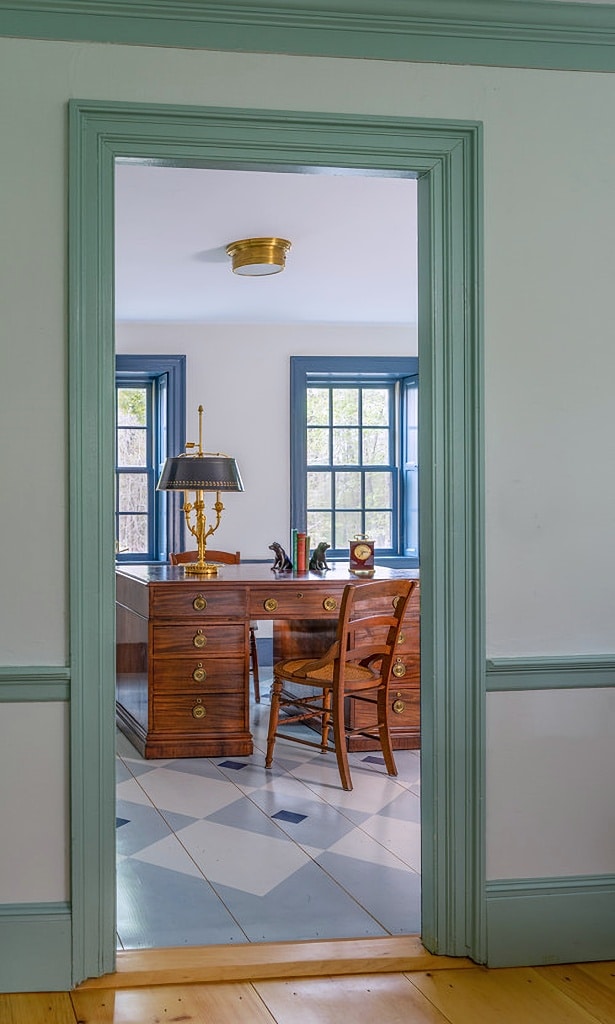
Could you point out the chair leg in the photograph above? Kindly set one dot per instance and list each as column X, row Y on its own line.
column 326, row 720
column 254, row 660
column 384, row 732
column 339, row 737
column 276, row 692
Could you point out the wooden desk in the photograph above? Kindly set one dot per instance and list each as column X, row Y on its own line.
column 183, row 652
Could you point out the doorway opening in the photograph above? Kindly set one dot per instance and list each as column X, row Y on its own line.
column 322, row 864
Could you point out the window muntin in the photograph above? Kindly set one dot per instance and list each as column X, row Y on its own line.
column 380, row 406
column 351, row 472
column 137, row 465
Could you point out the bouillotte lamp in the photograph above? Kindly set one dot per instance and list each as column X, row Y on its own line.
column 200, row 471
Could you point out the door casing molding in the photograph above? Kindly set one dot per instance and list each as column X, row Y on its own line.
column 446, row 157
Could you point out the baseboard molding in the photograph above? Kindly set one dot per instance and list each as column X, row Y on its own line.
column 21, row 683
column 35, row 947
column 550, row 920
column 566, row 672
column 254, row 961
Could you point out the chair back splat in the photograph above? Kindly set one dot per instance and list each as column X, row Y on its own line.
column 357, row 666
column 226, row 558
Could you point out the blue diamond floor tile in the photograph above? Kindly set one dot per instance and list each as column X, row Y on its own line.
column 289, row 816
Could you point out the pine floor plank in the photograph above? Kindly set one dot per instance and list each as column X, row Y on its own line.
column 592, row 993
column 602, row 971
column 36, row 1008
column 255, row 960
column 364, row 999
column 226, row 1003
column 505, row 995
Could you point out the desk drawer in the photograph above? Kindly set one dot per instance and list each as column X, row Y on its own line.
column 404, row 711
column 202, row 713
column 202, row 638
column 198, row 601
column 194, row 674
column 295, row 602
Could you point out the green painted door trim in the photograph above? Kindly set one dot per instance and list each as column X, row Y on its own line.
column 447, row 158
column 523, row 33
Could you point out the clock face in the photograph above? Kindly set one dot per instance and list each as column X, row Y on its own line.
column 362, row 551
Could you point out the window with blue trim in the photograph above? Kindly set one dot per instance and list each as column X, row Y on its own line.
column 354, row 468
column 150, row 425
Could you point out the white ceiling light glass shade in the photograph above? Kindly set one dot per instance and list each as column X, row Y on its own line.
column 258, row 257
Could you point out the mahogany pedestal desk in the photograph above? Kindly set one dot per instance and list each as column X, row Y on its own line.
column 183, row 652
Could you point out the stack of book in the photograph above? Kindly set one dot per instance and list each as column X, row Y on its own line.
column 300, row 547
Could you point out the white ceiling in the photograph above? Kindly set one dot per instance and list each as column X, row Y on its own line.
column 353, row 255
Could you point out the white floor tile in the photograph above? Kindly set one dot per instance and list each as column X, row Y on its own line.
column 187, row 794
column 403, row 838
column 169, row 853
column 256, row 865
column 364, row 847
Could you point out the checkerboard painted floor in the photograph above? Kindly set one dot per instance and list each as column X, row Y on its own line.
column 220, row 850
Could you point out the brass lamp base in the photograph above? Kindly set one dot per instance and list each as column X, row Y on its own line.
column 202, row 569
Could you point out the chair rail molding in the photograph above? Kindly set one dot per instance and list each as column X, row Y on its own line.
column 506, row 33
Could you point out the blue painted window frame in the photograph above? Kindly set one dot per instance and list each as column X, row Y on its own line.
column 165, row 375
column 359, row 370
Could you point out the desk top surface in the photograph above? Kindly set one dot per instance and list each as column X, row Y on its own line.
column 257, row 572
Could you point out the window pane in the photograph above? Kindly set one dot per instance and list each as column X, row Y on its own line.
column 318, row 407
column 131, row 447
column 376, row 447
column 319, row 490
column 378, row 490
column 345, row 406
column 345, row 446
column 319, row 527
column 379, row 528
column 133, row 534
column 317, row 447
column 133, row 492
column 131, row 407
column 375, row 407
column 348, row 490
column 347, row 525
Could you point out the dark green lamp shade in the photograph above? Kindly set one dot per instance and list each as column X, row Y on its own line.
column 200, row 473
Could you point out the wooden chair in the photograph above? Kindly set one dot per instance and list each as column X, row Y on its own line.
column 226, row 558
column 357, row 666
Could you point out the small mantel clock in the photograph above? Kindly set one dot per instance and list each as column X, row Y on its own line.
column 361, row 556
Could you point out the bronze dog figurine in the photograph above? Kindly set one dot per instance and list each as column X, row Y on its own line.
column 318, row 561
column 281, row 562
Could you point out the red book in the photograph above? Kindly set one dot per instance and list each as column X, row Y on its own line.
column 301, row 563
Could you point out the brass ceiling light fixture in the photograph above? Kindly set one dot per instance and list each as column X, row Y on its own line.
column 258, row 257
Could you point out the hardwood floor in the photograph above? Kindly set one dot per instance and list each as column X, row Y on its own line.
column 438, row 994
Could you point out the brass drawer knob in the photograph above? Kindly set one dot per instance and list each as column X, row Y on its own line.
column 198, row 710
column 399, row 706
column 199, row 673
column 270, row 604
column 199, row 639
column 401, row 639
column 199, row 603
column 330, row 604
column 399, row 669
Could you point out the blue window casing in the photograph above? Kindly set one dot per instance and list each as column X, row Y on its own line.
column 400, row 371
column 165, row 378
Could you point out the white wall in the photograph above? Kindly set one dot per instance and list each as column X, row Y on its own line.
column 240, row 375
column 549, row 152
